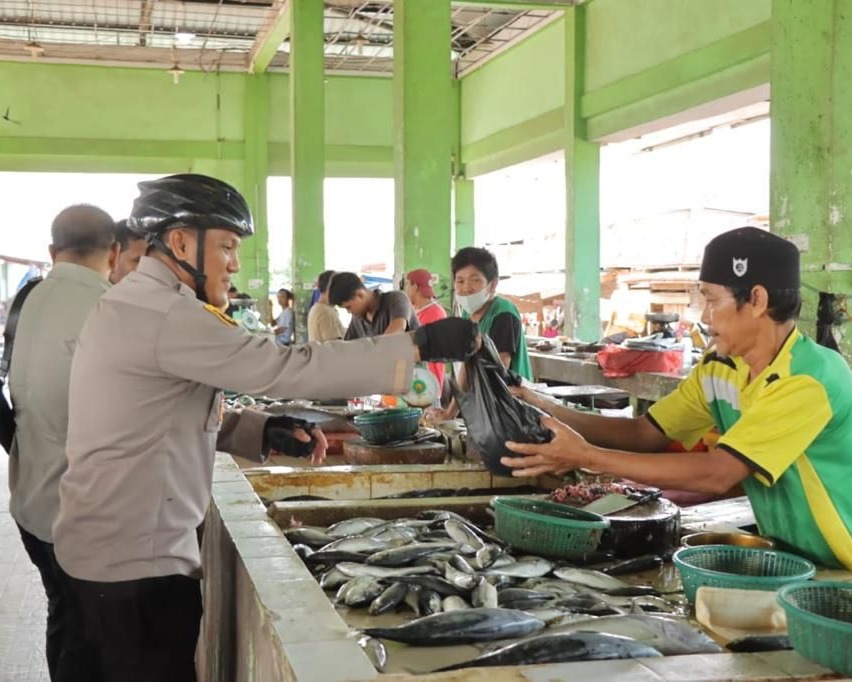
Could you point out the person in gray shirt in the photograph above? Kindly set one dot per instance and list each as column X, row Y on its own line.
column 374, row 312
column 84, row 252
column 146, row 419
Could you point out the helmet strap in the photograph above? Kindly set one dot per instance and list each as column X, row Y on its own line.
column 197, row 275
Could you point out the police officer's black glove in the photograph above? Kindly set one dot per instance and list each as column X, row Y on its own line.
column 278, row 434
column 449, row 339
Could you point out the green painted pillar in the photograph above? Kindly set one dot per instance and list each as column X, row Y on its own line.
column 464, row 213
column 307, row 151
column 582, row 193
column 811, row 171
column 424, row 112
column 254, row 253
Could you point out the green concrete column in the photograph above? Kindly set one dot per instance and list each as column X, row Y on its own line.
column 307, row 150
column 424, row 111
column 464, row 213
column 582, row 194
column 254, row 253
column 811, row 171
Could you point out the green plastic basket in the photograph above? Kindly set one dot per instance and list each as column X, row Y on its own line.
column 744, row 568
column 819, row 622
column 547, row 528
column 385, row 426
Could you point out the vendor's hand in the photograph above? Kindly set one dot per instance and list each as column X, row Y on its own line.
column 436, row 415
column 445, row 340
column 565, row 452
column 527, row 395
column 320, row 447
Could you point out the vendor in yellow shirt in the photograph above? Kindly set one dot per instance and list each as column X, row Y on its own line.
column 782, row 405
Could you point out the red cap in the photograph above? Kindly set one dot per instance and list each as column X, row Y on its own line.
column 423, row 280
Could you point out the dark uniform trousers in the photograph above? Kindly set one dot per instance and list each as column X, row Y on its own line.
column 41, row 554
column 138, row 630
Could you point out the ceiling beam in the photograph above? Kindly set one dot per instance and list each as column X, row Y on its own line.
column 270, row 37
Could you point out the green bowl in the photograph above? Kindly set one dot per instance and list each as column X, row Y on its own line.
column 547, row 528
column 744, row 568
column 385, row 426
column 819, row 622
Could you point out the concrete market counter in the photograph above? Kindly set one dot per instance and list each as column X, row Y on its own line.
column 643, row 386
column 266, row 619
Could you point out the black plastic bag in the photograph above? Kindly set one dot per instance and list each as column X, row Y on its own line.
column 492, row 414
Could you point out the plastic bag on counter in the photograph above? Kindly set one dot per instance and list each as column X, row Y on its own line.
column 618, row 361
column 491, row 413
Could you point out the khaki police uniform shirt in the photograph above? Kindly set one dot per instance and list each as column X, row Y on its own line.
column 324, row 323
column 50, row 322
column 144, row 418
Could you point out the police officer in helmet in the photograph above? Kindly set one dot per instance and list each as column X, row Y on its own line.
column 146, row 419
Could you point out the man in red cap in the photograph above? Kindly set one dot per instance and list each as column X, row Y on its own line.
column 418, row 286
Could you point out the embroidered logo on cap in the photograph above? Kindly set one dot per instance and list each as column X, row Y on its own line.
column 740, row 266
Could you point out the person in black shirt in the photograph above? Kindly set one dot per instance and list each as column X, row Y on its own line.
column 374, row 313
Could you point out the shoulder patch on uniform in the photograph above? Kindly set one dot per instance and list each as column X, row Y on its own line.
column 213, row 310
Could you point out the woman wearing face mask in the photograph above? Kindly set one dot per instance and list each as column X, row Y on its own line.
column 475, row 276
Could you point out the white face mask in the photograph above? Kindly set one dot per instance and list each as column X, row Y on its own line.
column 470, row 304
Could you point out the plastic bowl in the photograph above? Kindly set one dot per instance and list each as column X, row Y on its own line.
column 385, row 426
column 547, row 528
column 744, row 568
column 737, row 539
column 819, row 622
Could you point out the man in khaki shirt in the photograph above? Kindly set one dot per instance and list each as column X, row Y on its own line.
column 323, row 319
column 83, row 251
column 146, row 403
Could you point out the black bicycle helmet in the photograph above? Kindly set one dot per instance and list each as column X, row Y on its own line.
column 189, row 200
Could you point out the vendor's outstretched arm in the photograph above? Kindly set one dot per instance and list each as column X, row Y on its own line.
column 716, row 471
column 623, row 433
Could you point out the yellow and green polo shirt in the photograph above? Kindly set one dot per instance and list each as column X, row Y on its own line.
column 792, row 425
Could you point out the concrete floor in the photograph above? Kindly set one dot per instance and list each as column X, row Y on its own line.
column 22, row 603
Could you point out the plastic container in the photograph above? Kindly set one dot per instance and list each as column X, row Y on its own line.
column 547, row 528
column 385, row 426
column 819, row 622
column 737, row 539
column 745, row 568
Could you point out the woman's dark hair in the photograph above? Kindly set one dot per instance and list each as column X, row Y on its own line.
column 287, row 293
column 482, row 259
column 343, row 287
column 784, row 304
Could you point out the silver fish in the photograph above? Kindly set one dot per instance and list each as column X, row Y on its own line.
column 485, row 556
column 347, row 527
column 375, row 651
column 402, row 556
column 463, row 535
column 462, row 580
column 360, row 591
column 389, row 599
column 561, row 648
column 307, row 535
column 461, row 627
column 588, row 578
column 412, row 598
column 354, row 570
column 462, row 564
column 670, row 636
column 484, row 594
column 332, row 579
column 430, row 602
column 356, row 544
column 534, row 567
column 454, row 604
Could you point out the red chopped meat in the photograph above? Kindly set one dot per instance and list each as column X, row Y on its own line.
column 581, row 494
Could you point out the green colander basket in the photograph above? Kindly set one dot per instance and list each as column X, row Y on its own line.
column 547, row 528
column 819, row 622
column 744, row 568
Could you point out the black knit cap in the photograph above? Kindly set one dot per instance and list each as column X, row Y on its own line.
column 748, row 256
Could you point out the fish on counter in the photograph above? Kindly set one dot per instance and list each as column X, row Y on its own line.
column 561, row 648
column 464, row 626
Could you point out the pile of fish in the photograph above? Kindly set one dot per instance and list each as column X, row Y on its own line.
column 463, row 585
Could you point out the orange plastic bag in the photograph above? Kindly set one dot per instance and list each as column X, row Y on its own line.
column 617, row 361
